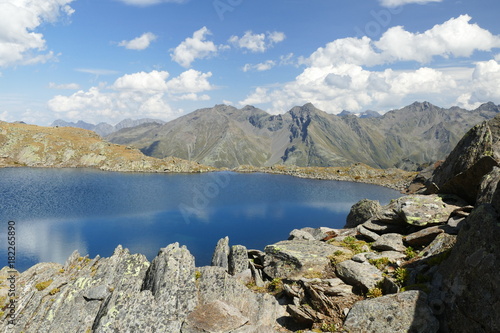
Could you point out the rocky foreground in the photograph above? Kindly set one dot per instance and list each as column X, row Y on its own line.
column 427, row 262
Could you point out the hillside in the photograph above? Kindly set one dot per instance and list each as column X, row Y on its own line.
column 224, row 136
column 36, row 146
column 104, row 129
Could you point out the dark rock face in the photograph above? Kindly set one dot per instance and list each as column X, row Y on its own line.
column 470, row 275
column 473, row 157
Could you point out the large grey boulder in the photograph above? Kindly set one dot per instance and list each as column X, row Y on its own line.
column 293, row 259
column 397, row 313
column 362, row 275
column 361, row 212
column 420, row 210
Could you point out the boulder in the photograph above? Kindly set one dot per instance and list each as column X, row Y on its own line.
column 214, row 317
column 357, row 274
column 477, row 153
column 389, row 242
column 361, row 212
column 297, row 234
column 238, row 259
column 293, row 259
column 421, row 210
column 321, row 233
column 397, row 313
column 220, row 257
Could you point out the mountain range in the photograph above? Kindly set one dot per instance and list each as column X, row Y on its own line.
column 103, row 128
column 224, row 136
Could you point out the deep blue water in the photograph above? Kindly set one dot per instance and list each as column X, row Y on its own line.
column 57, row 211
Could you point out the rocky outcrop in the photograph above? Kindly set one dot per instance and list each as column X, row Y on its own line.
column 66, row 147
column 126, row 293
column 473, row 157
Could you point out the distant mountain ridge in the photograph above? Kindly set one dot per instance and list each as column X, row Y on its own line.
column 224, row 136
column 104, row 129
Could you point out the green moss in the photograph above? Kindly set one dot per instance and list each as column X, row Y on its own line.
column 379, row 263
column 42, row 285
column 197, row 275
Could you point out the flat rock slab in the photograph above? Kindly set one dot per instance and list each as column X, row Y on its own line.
column 215, row 317
column 293, row 259
column 358, row 274
column 389, row 242
column 403, row 312
column 423, row 237
column 421, row 210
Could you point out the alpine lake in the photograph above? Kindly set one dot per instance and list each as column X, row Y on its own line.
column 57, row 211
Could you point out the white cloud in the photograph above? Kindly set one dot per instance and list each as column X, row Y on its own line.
column 192, row 48
column 257, row 42
column 396, row 3
column 144, row 3
column 139, row 43
column 190, row 81
column 133, row 95
column 338, row 77
column 19, row 41
column 69, row 86
column 263, row 66
column 151, row 82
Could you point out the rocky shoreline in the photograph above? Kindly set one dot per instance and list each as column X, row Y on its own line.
column 426, row 262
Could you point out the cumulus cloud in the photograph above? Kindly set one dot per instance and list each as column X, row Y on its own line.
column 145, row 3
column 257, row 42
column 140, row 43
column 338, row 75
column 396, row 3
column 19, row 41
column 139, row 94
column 192, row 48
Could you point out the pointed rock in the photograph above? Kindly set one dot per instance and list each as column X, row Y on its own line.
column 220, row 257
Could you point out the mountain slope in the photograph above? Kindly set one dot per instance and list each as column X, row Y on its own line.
column 224, row 136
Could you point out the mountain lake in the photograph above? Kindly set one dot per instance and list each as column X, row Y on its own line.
column 57, row 211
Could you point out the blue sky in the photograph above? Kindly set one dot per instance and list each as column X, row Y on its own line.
column 107, row 60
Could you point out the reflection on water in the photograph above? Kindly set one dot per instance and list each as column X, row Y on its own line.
column 58, row 211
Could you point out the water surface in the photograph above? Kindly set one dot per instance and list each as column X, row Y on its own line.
column 58, row 211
